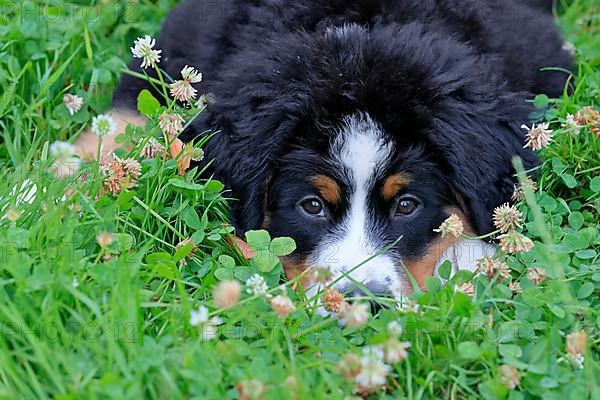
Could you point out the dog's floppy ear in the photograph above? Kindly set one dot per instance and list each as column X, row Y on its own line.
column 244, row 160
column 261, row 97
column 253, row 125
column 478, row 140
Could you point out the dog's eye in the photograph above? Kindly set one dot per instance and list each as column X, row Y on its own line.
column 313, row 206
column 406, row 206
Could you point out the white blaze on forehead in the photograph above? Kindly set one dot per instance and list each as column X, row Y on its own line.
column 361, row 151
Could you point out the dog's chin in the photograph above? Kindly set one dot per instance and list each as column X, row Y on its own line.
column 462, row 256
column 377, row 297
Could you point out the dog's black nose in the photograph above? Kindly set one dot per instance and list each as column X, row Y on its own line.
column 370, row 293
column 368, row 290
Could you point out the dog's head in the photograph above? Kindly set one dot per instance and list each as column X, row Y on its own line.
column 350, row 139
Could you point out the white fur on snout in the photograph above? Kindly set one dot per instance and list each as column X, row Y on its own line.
column 361, row 151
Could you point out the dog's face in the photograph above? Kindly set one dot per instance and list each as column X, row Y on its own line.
column 350, row 198
column 357, row 141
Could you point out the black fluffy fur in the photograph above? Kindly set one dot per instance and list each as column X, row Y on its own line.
column 449, row 76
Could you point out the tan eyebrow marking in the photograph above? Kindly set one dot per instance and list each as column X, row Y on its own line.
column 328, row 188
column 393, row 184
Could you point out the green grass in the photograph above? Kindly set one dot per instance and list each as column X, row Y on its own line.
column 124, row 331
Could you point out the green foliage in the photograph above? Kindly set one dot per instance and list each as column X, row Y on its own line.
column 267, row 250
column 147, row 104
column 80, row 320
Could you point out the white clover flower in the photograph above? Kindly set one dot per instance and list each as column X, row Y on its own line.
column 251, row 389
column 199, row 316
column 452, row 226
column 394, row 329
column 197, row 154
column 515, row 287
column 208, row 326
column 349, row 366
column 373, row 370
column 355, row 315
column 467, row 288
column 510, row 376
column 569, row 47
column 491, row 267
column 588, row 116
column 519, row 190
column 119, row 174
column 75, row 282
column 515, row 242
column 103, row 125
column 536, row 275
column 538, row 137
column 72, row 102
column 578, row 361
column 571, row 125
column 507, row 218
column 226, row 293
column 395, row 351
column 282, row 305
column 12, row 214
column 333, row 301
column 152, row 149
column 62, row 150
column 143, row 48
column 105, row 239
column 182, row 91
column 191, row 75
column 256, row 285
column 171, row 124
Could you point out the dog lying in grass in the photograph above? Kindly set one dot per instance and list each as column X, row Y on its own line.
column 358, row 127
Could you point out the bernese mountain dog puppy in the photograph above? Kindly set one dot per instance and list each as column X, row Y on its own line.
column 358, row 126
